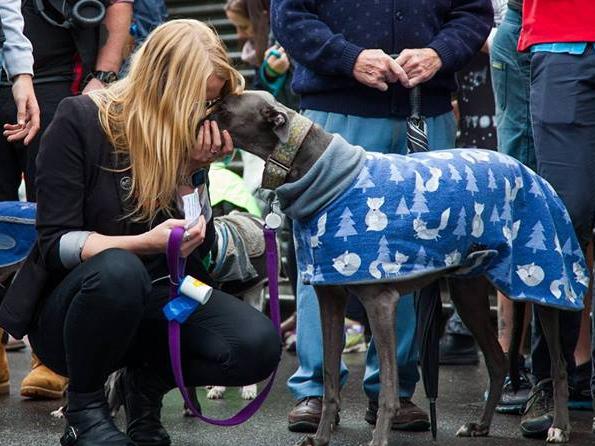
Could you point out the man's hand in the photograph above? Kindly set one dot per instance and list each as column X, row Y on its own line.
column 27, row 124
column 93, row 84
column 420, row 64
column 377, row 69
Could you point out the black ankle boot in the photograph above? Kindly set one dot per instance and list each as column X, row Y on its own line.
column 142, row 393
column 89, row 422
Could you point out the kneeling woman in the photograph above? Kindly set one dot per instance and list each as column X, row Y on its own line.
column 111, row 169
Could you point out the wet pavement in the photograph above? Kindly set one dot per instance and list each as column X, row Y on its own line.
column 28, row 423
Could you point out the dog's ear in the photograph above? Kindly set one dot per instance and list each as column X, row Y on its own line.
column 279, row 122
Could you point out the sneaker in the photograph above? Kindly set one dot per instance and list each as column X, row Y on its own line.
column 512, row 402
column 539, row 412
column 579, row 388
column 355, row 340
column 408, row 418
column 305, row 415
column 458, row 350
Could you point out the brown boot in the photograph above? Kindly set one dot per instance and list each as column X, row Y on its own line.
column 4, row 384
column 42, row 383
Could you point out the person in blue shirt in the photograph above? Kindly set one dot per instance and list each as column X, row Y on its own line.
column 352, row 82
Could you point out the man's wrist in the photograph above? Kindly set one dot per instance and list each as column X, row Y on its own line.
column 16, row 77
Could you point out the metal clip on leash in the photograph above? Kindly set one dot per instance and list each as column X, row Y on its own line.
column 187, row 294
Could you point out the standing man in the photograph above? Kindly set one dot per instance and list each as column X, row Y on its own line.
column 350, row 84
column 560, row 36
column 61, row 50
column 16, row 52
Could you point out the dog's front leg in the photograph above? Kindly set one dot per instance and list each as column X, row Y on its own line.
column 332, row 301
column 380, row 302
column 560, row 430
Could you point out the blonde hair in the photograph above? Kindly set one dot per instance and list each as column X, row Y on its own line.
column 154, row 113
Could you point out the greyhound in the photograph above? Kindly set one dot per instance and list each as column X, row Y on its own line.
column 260, row 125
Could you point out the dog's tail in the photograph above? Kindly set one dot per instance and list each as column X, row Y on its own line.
column 518, row 322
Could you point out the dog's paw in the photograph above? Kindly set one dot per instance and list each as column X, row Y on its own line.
column 473, row 430
column 215, row 393
column 59, row 413
column 557, row 435
column 249, row 392
column 311, row 441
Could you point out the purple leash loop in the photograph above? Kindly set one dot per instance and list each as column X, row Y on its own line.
column 177, row 265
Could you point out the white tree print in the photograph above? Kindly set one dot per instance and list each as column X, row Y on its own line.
column 402, row 208
column 419, row 200
column 420, row 260
column 491, row 181
column 567, row 248
column 395, row 175
column 537, row 238
column 454, row 174
column 460, row 230
column 363, row 180
column 383, row 250
column 471, row 181
column 506, row 211
column 535, row 189
column 495, row 217
column 346, row 226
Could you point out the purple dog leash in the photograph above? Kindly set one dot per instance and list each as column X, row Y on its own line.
column 177, row 265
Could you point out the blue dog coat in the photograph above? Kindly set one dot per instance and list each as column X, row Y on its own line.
column 474, row 211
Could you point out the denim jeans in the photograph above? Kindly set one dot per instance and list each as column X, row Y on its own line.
column 381, row 135
column 511, row 80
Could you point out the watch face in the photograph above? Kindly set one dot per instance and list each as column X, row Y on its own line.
column 107, row 77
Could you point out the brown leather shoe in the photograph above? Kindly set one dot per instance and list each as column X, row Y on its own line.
column 43, row 383
column 305, row 415
column 4, row 384
column 408, row 418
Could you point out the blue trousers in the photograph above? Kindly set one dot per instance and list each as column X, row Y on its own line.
column 511, row 80
column 386, row 135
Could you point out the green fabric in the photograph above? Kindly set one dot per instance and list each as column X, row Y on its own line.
column 224, row 185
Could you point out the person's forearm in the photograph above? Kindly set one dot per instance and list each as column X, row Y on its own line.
column 97, row 243
column 117, row 30
column 18, row 53
column 318, row 46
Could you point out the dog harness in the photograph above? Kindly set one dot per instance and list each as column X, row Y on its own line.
column 463, row 211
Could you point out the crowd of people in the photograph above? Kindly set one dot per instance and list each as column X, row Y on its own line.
column 112, row 130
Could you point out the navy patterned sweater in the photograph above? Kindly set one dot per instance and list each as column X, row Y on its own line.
column 325, row 37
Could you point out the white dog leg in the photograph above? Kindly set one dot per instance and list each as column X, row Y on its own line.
column 215, row 392
column 249, row 392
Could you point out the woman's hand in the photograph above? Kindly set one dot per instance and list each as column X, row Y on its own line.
column 277, row 60
column 212, row 145
column 156, row 240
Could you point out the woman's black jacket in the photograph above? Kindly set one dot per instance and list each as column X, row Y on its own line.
column 81, row 186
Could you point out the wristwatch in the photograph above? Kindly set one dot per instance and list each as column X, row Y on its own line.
column 105, row 77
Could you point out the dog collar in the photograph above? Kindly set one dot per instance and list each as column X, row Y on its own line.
column 278, row 164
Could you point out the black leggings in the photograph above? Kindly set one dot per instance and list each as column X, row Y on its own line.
column 106, row 314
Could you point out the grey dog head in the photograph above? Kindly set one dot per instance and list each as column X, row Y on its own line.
column 255, row 120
